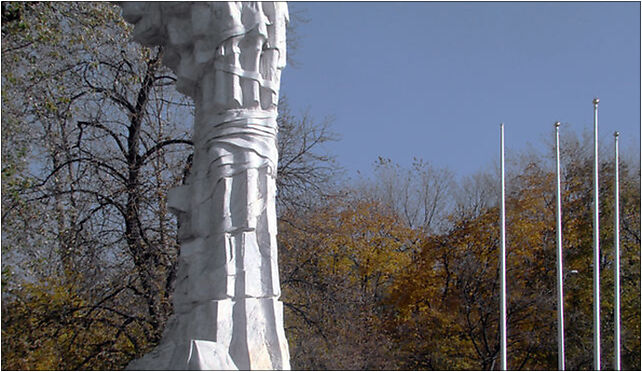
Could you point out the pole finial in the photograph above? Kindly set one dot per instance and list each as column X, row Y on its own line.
column 616, row 134
column 557, row 124
column 596, row 101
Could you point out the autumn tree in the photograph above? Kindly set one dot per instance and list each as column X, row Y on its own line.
column 578, row 229
column 99, row 113
column 94, row 135
column 450, row 294
column 398, row 272
column 337, row 261
column 420, row 195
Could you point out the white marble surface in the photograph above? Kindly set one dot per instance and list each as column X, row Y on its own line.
column 228, row 57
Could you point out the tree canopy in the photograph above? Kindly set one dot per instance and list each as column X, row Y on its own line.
column 397, row 271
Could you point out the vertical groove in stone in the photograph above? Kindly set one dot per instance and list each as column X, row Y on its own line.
column 273, row 338
column 238, row 345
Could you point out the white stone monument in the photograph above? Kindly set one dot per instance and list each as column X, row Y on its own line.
column 228, row 57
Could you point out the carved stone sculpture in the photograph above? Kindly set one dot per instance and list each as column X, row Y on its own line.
column 228, row 57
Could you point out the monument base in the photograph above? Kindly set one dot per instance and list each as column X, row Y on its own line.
column 257, row 340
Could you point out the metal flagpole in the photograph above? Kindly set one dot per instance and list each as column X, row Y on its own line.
column 560, row 266
column 502, row 256
column 616, row 238
column 596, row 246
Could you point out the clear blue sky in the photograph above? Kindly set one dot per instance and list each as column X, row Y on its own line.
column 434, row 80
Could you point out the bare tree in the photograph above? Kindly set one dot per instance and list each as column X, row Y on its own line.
column 306, row 172
column 107, row 139
column 419, row 195
column 94, row 134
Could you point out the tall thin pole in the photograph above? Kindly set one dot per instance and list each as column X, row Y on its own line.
column 502, row 256
column 596, row 246
column 560, row 266
column 616, row 238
